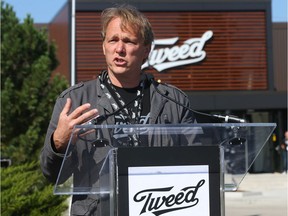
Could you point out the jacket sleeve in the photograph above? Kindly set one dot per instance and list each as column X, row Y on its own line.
column 50, row 160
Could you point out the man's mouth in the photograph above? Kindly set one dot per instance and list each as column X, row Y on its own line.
column 119, row 61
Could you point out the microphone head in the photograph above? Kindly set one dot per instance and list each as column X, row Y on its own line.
column 237, row 141
column 98, row 120
column 100, row 143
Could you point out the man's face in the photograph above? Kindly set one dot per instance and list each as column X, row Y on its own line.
column 124, row 51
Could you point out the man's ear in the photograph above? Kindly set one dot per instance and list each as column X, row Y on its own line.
column 103, row 48
column 147, row 52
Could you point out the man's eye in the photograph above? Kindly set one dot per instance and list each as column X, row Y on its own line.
column 113, row 40
column 130, row 42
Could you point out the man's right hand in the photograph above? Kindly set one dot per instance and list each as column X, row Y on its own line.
column 67, row 122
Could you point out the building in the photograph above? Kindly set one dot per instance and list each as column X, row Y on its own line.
column 226, row 55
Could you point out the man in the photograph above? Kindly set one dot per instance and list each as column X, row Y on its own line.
column 127, row 38
column 284, row 148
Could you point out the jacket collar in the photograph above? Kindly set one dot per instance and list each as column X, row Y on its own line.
column 157, row 102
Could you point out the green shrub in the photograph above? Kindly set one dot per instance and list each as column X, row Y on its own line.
column 24, row 191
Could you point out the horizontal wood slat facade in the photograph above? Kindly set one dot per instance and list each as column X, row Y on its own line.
column 236, row 55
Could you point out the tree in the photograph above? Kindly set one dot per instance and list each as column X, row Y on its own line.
column 28, row 92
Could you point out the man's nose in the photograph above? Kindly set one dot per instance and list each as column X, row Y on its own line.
column 120, row 47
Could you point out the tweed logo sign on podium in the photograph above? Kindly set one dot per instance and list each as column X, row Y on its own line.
column 169, row 190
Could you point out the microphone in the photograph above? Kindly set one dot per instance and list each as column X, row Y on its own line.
column 231, row 119
column 227, row 118
column 147, row 77
column 100, row 118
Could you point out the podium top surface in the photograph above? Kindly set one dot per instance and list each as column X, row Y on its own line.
column 206, row 125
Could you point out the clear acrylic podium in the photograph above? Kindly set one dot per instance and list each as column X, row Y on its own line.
column 181, row 169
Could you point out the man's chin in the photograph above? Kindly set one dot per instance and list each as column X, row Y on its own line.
column 119, row 71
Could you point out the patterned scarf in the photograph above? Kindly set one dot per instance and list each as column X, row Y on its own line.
column 130, row 116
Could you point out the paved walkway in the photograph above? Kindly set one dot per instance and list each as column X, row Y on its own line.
column 259, row 195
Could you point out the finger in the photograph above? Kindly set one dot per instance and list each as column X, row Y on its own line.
column 67, row 106
column 79, row 110
column 87, row 116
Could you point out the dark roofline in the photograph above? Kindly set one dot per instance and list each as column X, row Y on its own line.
column 172, row 5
